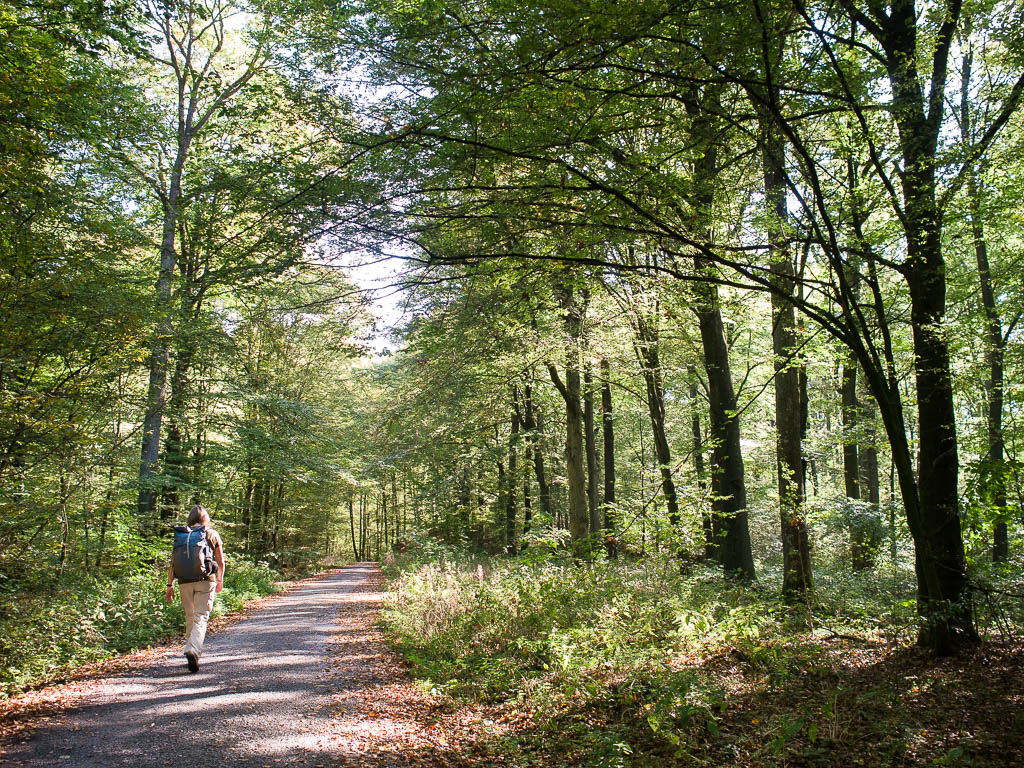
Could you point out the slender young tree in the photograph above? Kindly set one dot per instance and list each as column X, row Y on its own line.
column 590, row 444
column 573, row 314
column 511, row 543
column 608, row 436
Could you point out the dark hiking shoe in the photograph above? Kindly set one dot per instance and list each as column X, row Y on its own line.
column 193, row 662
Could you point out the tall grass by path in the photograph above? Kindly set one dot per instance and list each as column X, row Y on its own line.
column 625, row 663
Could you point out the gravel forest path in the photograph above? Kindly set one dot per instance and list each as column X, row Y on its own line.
column 287, row 685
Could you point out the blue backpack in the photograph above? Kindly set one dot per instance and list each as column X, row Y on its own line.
column 192, row 558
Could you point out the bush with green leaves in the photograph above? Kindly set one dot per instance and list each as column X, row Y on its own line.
column 563, row 637
column 622, row 644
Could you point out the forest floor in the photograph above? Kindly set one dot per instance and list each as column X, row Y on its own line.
column 859, row 703
column 852, row 703
column 306, row 679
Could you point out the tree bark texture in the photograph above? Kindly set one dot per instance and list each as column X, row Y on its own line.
column 513, row 477
column 867, row 459
column 943, row 586
column 862, row 543
column 590, row 440
column 648, row 355
column 533, row 423
column 731, row 530
column 352, row 527
column 175, row 467
column 796, row 554
column 710, row 545
column 159, row 358
column 579, row 517
column 608, row 434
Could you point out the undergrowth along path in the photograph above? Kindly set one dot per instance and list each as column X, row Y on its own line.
column 262, row 697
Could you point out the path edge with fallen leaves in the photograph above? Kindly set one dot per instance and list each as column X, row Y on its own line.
column 25, row 712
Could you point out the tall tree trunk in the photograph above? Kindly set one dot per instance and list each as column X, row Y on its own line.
column 710, row 545
column 109, row 493
column 570, row 391
column 248, row 508
column 858, row 451
column 939, row 551
column 527, row 508
column 512, row 480
column 107, row 506
column 156, row 396
column 352, row 525
column 175, row 464
column 731, row 530
column 279, row 535
column 480, row 509
column 64, row 490
column 174, row 470
column 254, row 528
column 326, row 523
column 643, row 489
column 396, row 510
column 465, row 501
column 533, row 422
column 502, row 500
column 649, row 357
column 363, row 527
column 266, row 517
column 796, row 554
column 608, row 433
column 850, row 412
column 867, row 457
column 188, row 40
column 727, row 474
column 862, row 539
column 943, row 586
column 590, row 443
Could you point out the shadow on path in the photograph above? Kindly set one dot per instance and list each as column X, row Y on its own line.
column 260, row 698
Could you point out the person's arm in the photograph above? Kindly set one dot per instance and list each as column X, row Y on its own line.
column 169, row 592
column 218, row 555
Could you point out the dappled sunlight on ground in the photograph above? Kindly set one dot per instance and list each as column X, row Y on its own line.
column 379, row 716
column 261, row 696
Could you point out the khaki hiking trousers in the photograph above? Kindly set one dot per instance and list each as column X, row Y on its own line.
column 197, row 599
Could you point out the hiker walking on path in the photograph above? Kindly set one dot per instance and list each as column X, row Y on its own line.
column 197, row 562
